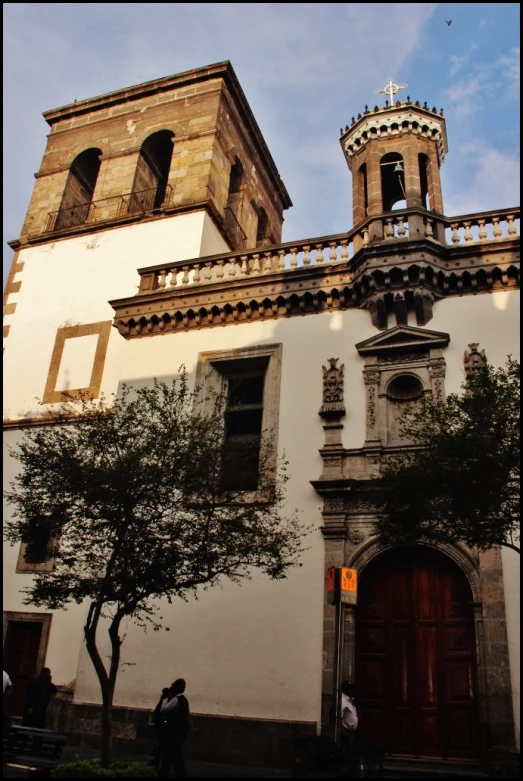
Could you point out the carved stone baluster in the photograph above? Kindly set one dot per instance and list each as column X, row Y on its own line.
column 196, row 278
column 344, row 250
column 401, row 227
column 365, row 237
column 497, row 228
column 267, row 263
column 207, row 274
column 294, row 257
column 185, row 278
column 482, row 230
column 161, row 279
column 455, row 233
column 468, row 233
column 319, row 254
column 306, row 255
column 231, row 271
column 281, row 260
column 256, row 263
column 429, row 233
column 512, row 230
column 243, row 268
column 219, row 269
column 389, row 228
column 333, row 255
column 174, row 278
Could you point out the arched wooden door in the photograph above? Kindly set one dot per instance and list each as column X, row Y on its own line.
column 415, row 656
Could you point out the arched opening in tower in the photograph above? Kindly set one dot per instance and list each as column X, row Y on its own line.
column 392, row 181
column 363, row 191
column 262, row 228
column 424, row 177
column 152, row 172
column 76, row 204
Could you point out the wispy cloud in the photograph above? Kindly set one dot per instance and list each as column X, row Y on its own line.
column 494, row 184
column 457, row 63
column 499, row 77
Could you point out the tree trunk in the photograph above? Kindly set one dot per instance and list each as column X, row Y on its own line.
column 106, row 754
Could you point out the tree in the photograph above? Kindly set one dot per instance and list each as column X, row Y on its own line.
column 461, row 479
column 132, row 495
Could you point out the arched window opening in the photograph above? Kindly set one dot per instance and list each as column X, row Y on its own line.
column 424, row 180
column 236, row 178
column 363, row 190
column 233, row 208
column 150, row 189
column 76, row 205
column 263, row 225
column 392, row 180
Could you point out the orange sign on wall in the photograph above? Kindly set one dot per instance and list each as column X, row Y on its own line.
column 349, row 586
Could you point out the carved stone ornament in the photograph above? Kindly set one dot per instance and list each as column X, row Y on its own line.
column 332, row 406
column 475, row 360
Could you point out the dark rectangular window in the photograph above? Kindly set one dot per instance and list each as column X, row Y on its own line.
column 37, row 551
column 243, row 429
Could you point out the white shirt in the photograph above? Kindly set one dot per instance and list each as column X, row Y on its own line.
column 7, row 682
column 169, row 705
column 349, row 714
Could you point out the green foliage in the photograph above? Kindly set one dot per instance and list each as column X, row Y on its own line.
column 461, row 479
column 133, row 496
column 131, row 493
column 91, row 768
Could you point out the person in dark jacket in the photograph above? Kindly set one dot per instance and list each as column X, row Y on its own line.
column 39, row 693
column 173, row 729
column 156, row 758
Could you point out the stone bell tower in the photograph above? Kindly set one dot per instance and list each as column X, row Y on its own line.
column 394, row 154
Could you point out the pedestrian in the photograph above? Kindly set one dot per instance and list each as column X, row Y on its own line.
column 155, row 760
column 8, row 690
column 174, row 728
column 349, row 714
column 39, row 693
column 8, row 686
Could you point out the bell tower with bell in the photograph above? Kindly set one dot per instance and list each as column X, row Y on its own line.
column 395, row 154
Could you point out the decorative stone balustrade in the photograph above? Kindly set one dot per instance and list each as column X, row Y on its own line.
column 488, row 226
column 333, row 251
column 256, row 262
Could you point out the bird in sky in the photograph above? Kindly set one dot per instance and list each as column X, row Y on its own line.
column 448, row 22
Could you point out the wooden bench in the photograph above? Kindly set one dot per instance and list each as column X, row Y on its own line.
column 32, row 749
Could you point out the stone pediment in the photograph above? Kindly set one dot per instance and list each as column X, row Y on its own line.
column 403, row 337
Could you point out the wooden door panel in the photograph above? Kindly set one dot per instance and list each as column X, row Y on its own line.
column 427, row 666
column 373, row 677
column 21, row 649
column 461, row 731
column 415, row 656
column 460, row 681
column 429, row 731
column 402, row 731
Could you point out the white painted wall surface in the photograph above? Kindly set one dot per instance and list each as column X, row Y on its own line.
column 493, row 321
column 71, row 281
column 255, row 650
column 511, row 577
column 66, row 635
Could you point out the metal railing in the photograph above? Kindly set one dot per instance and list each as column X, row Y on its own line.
column 112, row 208
column 234, row 230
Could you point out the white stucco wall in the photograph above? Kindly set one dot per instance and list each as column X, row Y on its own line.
column 70, row 282
column 255, row 650
column 493, row 321
column 66, row 633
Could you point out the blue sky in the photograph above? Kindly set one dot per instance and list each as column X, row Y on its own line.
column 306, row 68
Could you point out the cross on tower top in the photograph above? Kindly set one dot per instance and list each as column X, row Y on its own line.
column 391, row 89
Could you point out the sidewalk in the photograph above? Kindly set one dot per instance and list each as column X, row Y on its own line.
column 195, row 769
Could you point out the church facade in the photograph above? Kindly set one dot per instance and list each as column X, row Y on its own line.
column 154, row 239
